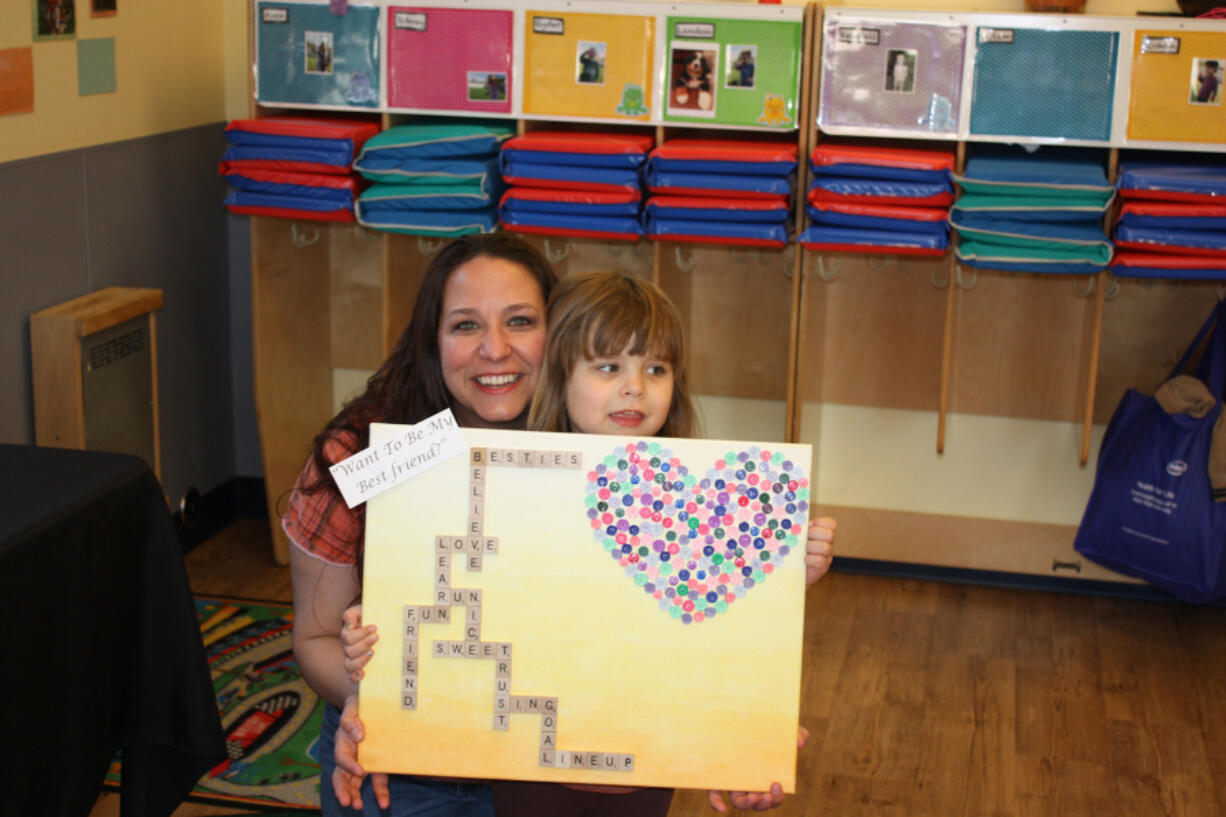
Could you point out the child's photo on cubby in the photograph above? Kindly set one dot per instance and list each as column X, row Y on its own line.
column 319, row 52
column 1206, row 82
column 54, row 18
column 487, row 86
column 741, row 61
column 900, row 70
column 590, row 63
column 691, row 87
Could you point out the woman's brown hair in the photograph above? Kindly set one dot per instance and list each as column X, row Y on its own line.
column 409, row 386
column 599, row 315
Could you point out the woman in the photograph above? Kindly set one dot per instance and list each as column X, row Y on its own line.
column 474, row 345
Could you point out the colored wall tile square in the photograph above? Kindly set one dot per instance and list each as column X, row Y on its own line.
column 16, row 80
column 96, row 66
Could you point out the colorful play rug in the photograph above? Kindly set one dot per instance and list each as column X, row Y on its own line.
column 270, row 717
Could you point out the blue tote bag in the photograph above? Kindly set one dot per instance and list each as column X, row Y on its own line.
column 1151, row 512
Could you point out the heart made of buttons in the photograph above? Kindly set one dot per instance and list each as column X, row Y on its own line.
column 697, row 544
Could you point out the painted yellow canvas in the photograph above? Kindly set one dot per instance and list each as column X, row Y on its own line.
column 584, row 608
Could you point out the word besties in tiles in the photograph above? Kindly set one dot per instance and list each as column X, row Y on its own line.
column 697, row 544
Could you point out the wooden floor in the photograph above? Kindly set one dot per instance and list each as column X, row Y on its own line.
column 928, row 699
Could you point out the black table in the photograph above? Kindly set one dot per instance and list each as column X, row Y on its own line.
column 102, row 647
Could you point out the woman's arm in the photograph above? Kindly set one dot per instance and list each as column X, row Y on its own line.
column 322, row 591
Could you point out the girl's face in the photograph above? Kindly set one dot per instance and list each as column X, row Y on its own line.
column 491, row 340
column 622, row 394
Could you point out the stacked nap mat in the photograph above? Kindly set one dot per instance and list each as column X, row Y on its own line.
column 437, row 178
column 875, row 199
column 721, row 191
column 587, row 185
column 1172, row 223
column 293, row 167
column 1039, row 212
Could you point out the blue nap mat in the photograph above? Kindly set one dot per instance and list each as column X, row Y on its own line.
column 1173, row 222
column 723, row 229
column 1028, row 208
column 854, row 220
column 337, row 156
column 1197, row 180
column 1051, row 172
column 666, row 181
column 526, row 206
column 723, row 167
column 302, row 191
column 825, row 234
column 1175, row 239
column 250, row 198
column 901, row 174
column 383, row 197
column 720, row 214
column 426, row 222
column 430, row 171
column 555, row 158
column 884, row 188
column 601, row 224
column 627, row 178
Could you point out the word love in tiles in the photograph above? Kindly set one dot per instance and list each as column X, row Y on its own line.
column 697, row 544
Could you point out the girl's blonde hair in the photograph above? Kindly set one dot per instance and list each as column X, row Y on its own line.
column 600, row 314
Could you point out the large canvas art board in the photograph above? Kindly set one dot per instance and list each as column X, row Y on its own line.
column 586, row 608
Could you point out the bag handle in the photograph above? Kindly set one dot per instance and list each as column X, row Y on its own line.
column 1212, row 367
column 1213, row 322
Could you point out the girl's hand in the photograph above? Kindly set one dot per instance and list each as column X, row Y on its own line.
column 348, row 774
column 357, row 642
column 819, row 548
column 755, row 801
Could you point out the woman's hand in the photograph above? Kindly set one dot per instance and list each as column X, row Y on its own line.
column 819, row 548
column 755, row 800
column 348, row 774
column 357, row 642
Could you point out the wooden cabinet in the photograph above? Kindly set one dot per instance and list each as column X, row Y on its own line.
column 954, row 413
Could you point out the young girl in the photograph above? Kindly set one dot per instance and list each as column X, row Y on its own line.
column 614, row 363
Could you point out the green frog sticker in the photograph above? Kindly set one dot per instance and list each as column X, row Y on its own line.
column 632, row 103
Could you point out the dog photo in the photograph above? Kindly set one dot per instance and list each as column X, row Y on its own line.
column 691, row 84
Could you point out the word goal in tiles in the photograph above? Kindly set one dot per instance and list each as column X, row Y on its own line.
column 585, row 608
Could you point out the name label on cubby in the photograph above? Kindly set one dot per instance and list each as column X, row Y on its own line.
column 548, row 25
column 860, row 36
column 1159, row 45
column 694, row 31
column 410, row 20
column 275, row 15
column 996, row 35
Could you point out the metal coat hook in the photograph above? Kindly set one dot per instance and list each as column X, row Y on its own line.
column 368, row 233
column 937, row 283
column 616, row 248
column 682, row 264
column 1089, row 288
column 301, row 238
column 1113, row 290
column 877, row 262
column 787, row 266
column 428, row 247
column 555, row 256
column 827, row 275
column 964, row 279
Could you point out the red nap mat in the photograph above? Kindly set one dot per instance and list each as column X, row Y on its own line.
column 726, row 150
column 565, row 142
column 906, row 158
